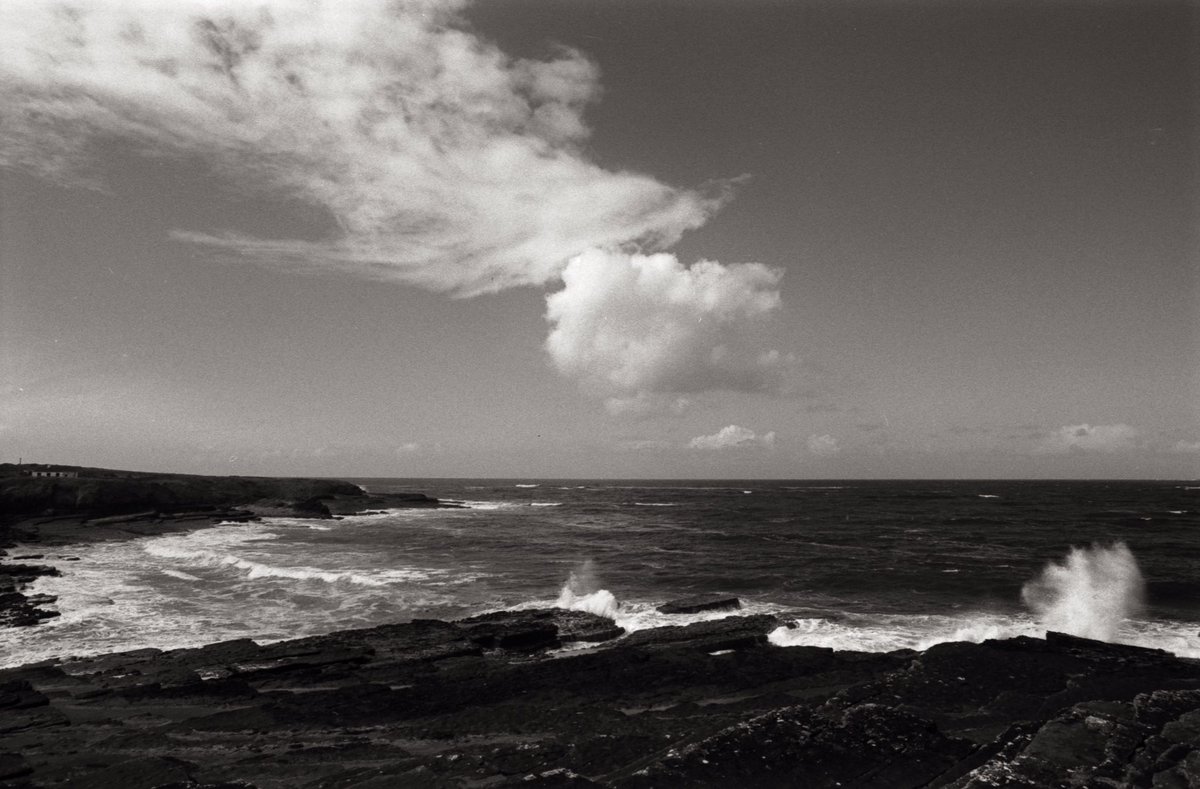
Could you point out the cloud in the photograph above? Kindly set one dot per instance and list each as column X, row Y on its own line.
column 444, row 162
column 823, row 445
column 1088, row 438
column 1186, row 447
column 644, row 329
column 732, row 437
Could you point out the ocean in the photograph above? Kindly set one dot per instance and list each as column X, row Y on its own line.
column 860, row 565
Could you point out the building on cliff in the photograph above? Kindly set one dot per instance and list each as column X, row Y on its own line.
column 53, row 473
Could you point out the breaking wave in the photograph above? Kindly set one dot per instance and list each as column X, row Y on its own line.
column 255, row 569
column 581, row 592
column 1091, row 594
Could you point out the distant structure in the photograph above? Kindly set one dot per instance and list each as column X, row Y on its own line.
column 54, row 473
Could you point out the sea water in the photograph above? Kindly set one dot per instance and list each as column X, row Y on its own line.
column 854, row 565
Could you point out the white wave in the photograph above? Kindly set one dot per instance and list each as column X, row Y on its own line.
column 180, row 574
column 817, row 487
column 484, row 505
column 219, row 550
column 1090, row 594
column 987, row 496
column 601, row 603
column 518, row 485
column 885, row 633
column 546, row 504
column 888, row 633
column 654, row 504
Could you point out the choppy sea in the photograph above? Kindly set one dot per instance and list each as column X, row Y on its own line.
column 852, row 565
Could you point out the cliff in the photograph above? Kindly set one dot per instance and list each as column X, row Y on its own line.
column 108, row 492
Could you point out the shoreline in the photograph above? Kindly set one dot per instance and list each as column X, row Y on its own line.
column 495, row 700
column 509, row 698
column 100, row 505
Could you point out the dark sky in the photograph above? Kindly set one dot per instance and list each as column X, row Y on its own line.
column 981, row 219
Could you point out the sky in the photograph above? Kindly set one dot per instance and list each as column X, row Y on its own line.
column 623, row 238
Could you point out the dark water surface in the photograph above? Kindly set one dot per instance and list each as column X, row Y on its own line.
column 867, row 565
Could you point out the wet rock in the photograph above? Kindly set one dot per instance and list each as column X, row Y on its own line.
column 13, row 765
column 865, row 745
column 584, row 626
column 698, row 603
column 734, row 632
column 515, row 630
column 425, row 704
column 362, row 503
column 280, row 508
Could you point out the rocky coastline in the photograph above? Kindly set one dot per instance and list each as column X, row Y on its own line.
column 550, row 697
column 554, row 698
column 39, row 514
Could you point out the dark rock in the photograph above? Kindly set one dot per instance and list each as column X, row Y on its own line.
column 865, row 745
column 584, row 626
column 13, row 765
column 425, row 704
column 143, row 772
column 364, row 504
column 515, row 630
column 734, row 632
column 20, row 695
column 279, row 508
column 123, row 518
column 697, row 603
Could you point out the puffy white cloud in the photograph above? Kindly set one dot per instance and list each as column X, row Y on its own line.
column 644, row 329
column 445, row 163
column 733, row 436
column 823, row 445
column 1089, row 438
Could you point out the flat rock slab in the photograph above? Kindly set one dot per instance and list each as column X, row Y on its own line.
column 734, row 632
column 698, row 603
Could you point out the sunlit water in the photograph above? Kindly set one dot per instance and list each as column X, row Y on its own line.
column 854, row 565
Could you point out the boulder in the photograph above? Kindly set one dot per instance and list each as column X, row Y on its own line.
column 698, row 603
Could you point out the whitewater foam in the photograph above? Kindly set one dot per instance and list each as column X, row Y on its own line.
column 582, row 592
column 1091, row 594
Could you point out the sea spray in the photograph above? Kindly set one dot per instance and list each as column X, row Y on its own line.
column 582, row 592
column 1090, row 594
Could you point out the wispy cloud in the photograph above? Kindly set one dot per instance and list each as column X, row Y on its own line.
column 733, row 437
column 444, row 162
column 1185, row 447
column 1088, row 438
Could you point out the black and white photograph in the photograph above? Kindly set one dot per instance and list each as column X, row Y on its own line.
column 599, row 393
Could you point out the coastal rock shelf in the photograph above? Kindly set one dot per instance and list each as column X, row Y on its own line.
column 94, row 505
column 494, row 701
